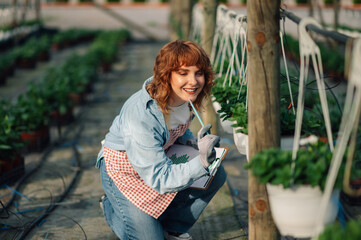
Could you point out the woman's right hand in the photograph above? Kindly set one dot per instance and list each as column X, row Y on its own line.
column 206, row 144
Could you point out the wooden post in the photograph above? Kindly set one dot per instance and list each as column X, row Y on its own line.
column 186, row 18
column 14, row 20
column 209, row 24
column 263, row 19
column 336, row 10
column 25, row 11
column 175, row 19
column 180, row 19
column 37, row 10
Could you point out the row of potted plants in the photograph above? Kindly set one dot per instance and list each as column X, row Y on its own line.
column 10, row 31
column 48, row 102
column 71, row 37
column 37, row 49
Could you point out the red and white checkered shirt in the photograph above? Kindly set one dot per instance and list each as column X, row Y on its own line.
column 132, row 186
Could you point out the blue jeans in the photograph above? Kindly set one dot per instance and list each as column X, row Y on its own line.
column 128, row 222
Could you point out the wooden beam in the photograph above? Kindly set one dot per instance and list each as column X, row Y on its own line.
column 263, row 58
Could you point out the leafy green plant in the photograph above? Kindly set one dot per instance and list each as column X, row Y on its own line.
column 31, row 111
column 240, row 116
column 351, row 231
column 312, row 163
column 55, row 89
column 7, row 60
column 9, row 135
column 232, row 102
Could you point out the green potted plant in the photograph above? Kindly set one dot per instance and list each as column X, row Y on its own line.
column 7, row 66
column 224, row 98
column 43, row 48
column 31, row 113
column 295, row 186
column 56, row 92
column 26, row 54
column 11, row 160
column 79, row 73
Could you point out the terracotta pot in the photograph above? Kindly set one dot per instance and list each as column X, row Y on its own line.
column 9, row 70
column 2, row 78
column 36, row 140
column 44, row 56
column 57, row 119
column 26, row 63
column 77, row 98
column 57, row 46
column 106, row 67
column 11, row 170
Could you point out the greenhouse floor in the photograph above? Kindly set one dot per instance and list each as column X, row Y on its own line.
column 63, row 178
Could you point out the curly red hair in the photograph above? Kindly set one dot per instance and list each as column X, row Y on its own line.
column 170, row 58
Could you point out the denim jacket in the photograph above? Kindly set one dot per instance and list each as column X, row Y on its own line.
column 141, row 131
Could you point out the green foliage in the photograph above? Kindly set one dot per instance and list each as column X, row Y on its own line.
column 72, row 35
column 233, row 102
column 352, row 231
column 105, row 46
column 31, row 110
column 27, row 50
column 240, row 116
column 311, row 166
column 6, row 60
column 9, row 135
column 55, row 90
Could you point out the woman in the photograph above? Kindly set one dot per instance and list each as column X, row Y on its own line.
column 148, row 197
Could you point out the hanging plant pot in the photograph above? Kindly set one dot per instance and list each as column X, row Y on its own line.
column 36, row 140
column 287, row 142
column 294, row 210
column 241, row 142
column 226, row 124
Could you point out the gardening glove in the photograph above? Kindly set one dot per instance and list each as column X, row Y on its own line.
column 193, row 142
column 206, row 144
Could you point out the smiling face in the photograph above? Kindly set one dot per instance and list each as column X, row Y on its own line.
column 186, row 83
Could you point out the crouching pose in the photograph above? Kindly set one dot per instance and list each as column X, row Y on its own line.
column 146, row 195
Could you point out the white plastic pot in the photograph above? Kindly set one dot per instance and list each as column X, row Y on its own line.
column 226, row 124
column 295, row 210
column 287, row 142
column 241, row 142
